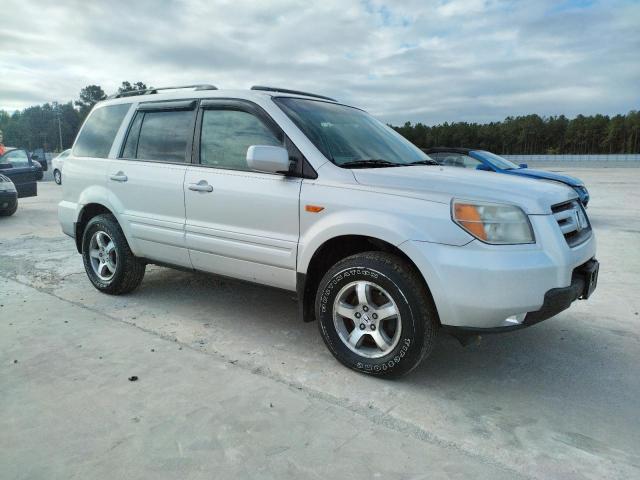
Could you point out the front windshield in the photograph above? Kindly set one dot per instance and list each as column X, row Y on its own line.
column 496, row 160
column 346, row 135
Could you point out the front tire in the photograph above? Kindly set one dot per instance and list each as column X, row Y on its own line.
column 375, row 314
column 108, row 260
column 57, row 176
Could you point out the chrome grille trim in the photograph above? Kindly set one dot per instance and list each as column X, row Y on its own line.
column 572, row 221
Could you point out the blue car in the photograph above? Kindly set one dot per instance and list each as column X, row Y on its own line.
column 483, row 160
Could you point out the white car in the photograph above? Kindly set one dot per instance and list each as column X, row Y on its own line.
column 57, row 163
column 297, row 191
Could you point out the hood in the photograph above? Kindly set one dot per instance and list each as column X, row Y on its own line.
column 441, row 184
column 529, row 172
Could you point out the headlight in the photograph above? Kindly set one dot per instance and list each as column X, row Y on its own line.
column 493, row 223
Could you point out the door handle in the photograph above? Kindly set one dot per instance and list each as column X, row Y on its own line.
column 201, row 186
column 119, row 177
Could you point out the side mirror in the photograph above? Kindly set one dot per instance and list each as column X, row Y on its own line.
column 5, row 166
column 34, row 157
column 483, row 167
column 268, row 159
column 524, row 165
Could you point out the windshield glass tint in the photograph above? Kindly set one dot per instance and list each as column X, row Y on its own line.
column 345, row 134
column 496, row 160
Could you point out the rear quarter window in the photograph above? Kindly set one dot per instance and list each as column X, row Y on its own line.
column 99, row 131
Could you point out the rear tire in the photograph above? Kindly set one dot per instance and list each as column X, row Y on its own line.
column 375, row 314
column 108, row 260
column 57, row 176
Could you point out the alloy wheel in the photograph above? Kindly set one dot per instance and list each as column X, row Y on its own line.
column 103, row 256
column 367, row 319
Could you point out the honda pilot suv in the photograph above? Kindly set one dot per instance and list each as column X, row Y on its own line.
column 384, row 247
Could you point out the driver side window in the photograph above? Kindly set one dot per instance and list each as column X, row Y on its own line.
column 451, row 159
column 469, row 162
column 227, row 135
column 17, row 158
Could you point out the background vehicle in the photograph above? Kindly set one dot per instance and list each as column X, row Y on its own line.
column 57, row 163
column 8, row 197
column 39, row 170
column 22, row 170
column 296, row 191
column 483, row 160
column 41, row 157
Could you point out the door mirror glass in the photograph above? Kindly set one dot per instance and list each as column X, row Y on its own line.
column 483, row 167
column 268, row 159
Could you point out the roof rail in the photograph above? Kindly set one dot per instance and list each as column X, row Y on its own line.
column 295, row 92
column 151, row 91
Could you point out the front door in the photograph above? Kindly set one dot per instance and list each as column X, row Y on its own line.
column 240, row 223
column 22, row 172
column 146, row 180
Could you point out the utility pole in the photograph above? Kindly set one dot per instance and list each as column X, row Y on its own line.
column 59, row 126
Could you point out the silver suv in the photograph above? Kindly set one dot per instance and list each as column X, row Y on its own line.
column 297, row 191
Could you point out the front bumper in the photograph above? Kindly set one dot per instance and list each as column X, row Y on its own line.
column 556, row 300
column 488, row 287
column 8, row 200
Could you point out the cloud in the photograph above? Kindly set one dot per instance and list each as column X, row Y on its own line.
column 471, row 60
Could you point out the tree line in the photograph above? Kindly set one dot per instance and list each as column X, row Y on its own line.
column 53, row 126
column 532, row 134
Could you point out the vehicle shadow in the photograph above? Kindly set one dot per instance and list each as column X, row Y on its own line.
column 576, row 369
column 563, row 357
column 551, row 382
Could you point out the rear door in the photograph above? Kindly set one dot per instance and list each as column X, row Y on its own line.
column 146, row 181
column 240, row 223
column 23, row 172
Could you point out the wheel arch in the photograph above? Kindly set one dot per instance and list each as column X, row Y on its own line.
column 87, row 212
column 332, row 251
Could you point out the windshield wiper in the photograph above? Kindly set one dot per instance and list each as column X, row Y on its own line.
column 371, row 163
column 424, row 162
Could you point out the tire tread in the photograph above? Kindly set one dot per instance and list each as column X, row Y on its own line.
column 133, row 268
column 423, row 307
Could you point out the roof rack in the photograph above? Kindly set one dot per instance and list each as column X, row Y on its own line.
column 294, row 92
column 151, row 91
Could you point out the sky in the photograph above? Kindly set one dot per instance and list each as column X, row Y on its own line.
column 414, row 60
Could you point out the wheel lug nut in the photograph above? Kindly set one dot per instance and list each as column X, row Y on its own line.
column 358, row 315
column 375, row 316
column 373, row 327
column 362, row 326
column 365, row 308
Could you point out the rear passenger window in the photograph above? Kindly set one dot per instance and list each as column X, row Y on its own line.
column 227, row 135
column 99, row 131
column 161, row 136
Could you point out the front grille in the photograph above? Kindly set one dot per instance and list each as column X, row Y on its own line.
column 573, row 222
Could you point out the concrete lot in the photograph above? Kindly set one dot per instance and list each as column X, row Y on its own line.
column 232, row 385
